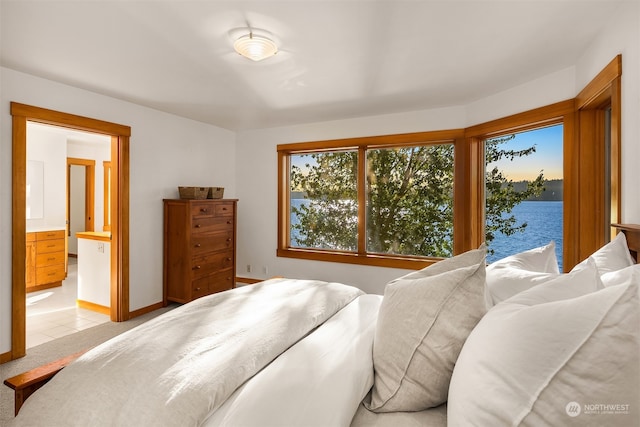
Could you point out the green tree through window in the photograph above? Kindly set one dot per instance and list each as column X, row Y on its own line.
column 325, row 213
column 408, row 201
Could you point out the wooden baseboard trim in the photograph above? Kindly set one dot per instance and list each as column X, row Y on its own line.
column 248, row 280
column 145, row 310
column 5, row 357
column 37, row 288
column 93, row 307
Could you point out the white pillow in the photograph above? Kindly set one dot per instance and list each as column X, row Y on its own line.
column 621, row 276
column 542, row 259
column 551, row 355
column 464, row 259
column 516, row 273
column 613, row 256
column 424, row 319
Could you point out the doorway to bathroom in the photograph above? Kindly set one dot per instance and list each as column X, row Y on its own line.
column 119, row 210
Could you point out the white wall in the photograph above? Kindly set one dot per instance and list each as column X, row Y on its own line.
column 49, row 148
column 257, row 166
column 166, row 151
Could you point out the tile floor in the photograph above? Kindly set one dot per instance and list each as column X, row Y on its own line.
column 52, row 313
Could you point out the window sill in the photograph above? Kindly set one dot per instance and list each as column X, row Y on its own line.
column 378, row 260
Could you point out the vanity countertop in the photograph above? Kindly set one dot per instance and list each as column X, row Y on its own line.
column 36, row 229
column 94, row 235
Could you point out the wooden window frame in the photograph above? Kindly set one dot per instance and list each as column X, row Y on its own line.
column 455, row 137
column 584, row 174
column 559, row 113
column 590, row 221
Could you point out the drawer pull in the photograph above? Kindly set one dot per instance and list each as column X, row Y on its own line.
column 229, row 239
column 229, row 222
column 197, row 267
column 198, row 245
column 224, row 208
column 228, row 259
column 51, row 259
column 197, row 225
column 204, row 210
column 197, row 289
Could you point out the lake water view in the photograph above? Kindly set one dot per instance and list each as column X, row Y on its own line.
column 544, row 223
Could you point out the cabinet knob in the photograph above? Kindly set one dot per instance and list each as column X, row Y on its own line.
column 204, row 210
column 229, row 239
column 198, row 226
column 228, row 259
column 197, row 267
column 228, row 222
column 197, row 289
column 198, row 245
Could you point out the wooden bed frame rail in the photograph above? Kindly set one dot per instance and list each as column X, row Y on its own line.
column 28, row 382
column 632, row 233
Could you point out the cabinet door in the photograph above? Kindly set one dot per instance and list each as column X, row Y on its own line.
column 49, row 274
column 50, row 246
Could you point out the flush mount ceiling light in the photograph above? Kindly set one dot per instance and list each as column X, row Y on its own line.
column 255, row 47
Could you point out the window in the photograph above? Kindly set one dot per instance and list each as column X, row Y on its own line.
column 524, row 191
column 409, row 194
column 381, row 200
column 370, row 222
column 324, row 200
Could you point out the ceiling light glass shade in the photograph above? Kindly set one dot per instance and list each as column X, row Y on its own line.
column 255, row 47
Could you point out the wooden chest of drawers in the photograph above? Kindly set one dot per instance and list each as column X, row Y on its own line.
column 199, row 248
column 46, row 259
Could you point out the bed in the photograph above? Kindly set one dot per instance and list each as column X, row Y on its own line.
column 512, row 343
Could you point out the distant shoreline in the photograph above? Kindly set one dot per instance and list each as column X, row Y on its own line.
column 553, row 191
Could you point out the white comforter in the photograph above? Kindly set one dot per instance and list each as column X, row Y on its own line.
column 179, row 367
column 319, row 382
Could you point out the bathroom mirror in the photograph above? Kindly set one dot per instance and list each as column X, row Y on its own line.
column 35, row 189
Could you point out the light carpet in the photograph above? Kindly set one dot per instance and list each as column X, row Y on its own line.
column 61, row 347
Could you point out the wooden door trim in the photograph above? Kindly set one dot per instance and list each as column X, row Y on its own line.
column 120, row 134
column 89, row 192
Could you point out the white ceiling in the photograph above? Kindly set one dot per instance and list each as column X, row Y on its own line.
column 337, row 59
